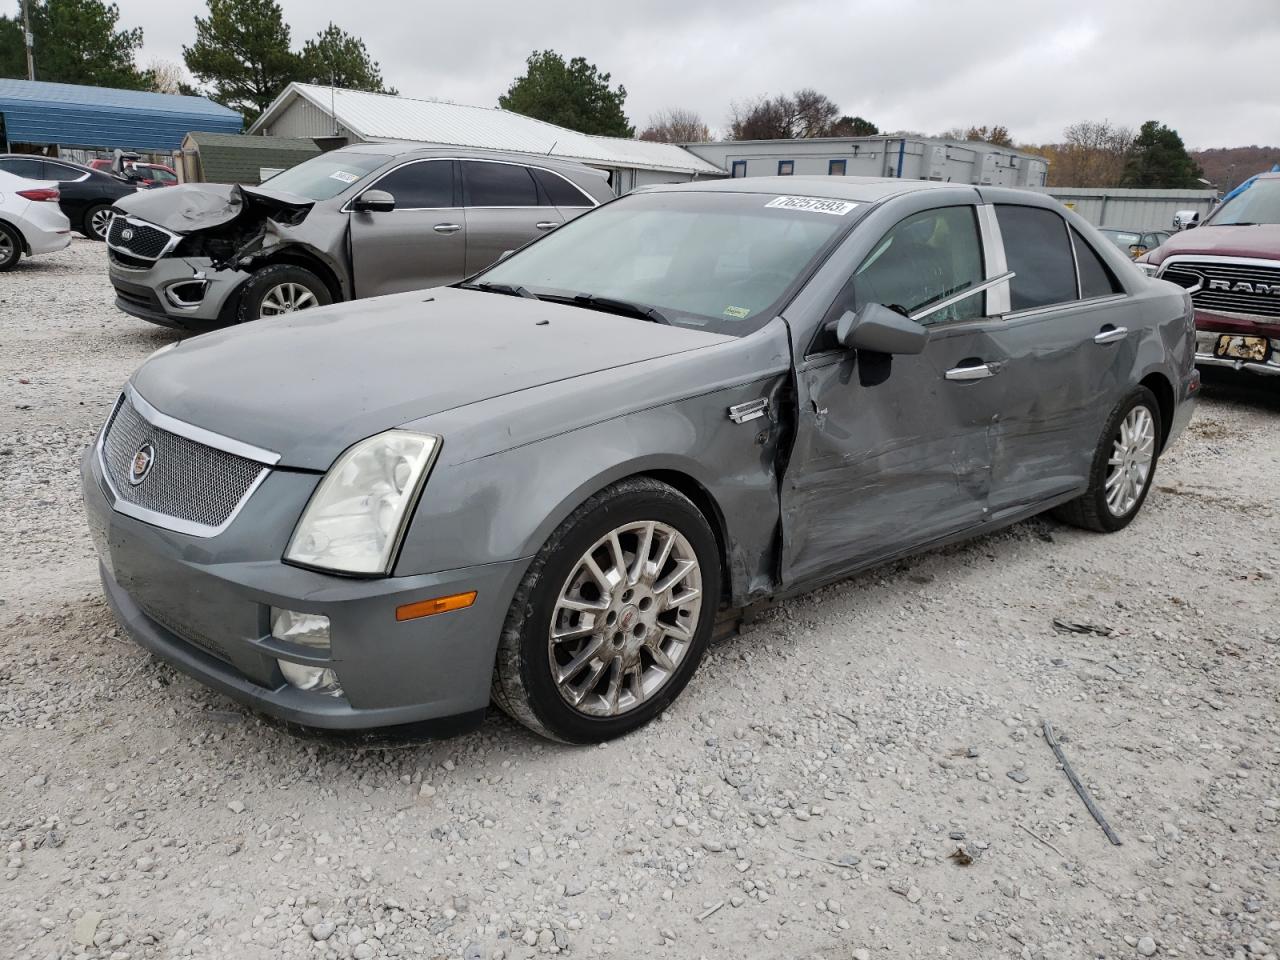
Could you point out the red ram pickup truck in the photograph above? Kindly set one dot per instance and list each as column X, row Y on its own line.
column 1231, row 266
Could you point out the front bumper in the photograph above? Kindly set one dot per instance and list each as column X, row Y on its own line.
column 203, row 605
column 1210, row 327
column 150, row 292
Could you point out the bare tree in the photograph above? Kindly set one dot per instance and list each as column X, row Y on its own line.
column 1092, row 154
column 166, row 76
column 676, row 125
column 804, row 114
column 997, row 134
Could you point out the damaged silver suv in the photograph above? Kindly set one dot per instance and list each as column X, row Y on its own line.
column 358, row 222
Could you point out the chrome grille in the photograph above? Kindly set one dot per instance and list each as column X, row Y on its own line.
column 143, row 241
column 189, row 481
column 1227, row 286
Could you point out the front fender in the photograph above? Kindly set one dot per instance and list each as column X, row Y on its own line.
column 505, row 505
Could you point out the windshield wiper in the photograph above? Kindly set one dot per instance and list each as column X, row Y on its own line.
column 506, row 289
column 627, row 307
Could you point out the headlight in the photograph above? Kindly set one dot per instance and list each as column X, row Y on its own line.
column 1150, row 269
column 356, row 517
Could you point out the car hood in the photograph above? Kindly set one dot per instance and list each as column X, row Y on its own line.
column 1261, row 240
column 308, row 385
column 199, row 206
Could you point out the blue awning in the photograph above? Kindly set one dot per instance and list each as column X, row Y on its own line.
column 102, row 118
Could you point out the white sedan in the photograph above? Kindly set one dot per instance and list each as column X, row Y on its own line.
column 30, row 220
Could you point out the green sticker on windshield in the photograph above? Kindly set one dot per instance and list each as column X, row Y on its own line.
column 739, row 313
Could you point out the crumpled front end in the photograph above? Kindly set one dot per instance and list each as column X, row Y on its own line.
column 180, row 256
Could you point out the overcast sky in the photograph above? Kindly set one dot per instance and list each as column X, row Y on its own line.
column 1208, row 70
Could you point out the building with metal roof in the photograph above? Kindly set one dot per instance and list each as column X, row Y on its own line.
column 235, row 158
column 307, row 110
column 40, row 114
column 914, row 158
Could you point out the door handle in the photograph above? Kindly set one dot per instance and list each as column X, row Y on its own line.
column 1111, row 334
column 447, row 228
column 547, row 225
column 978, row 371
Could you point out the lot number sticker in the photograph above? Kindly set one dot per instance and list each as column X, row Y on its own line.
column 343, row 176
column 837, row 208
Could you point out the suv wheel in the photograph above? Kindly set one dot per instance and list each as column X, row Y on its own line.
column 97, row 220
column 283, row 288
column 10, row 247
column 612, row 616
column 1124, row 465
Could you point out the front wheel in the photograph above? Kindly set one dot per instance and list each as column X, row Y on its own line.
column 1124, row 465
column 97, row 221
column 612, row 617
column 282, row 288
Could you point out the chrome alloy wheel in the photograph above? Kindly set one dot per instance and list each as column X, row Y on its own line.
column 100, row 222
column 625, row 618
column 1131, row 459
column 286, row 298
column 6, row 246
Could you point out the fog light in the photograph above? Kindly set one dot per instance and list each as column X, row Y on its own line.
column 304, row 629
column 312, row 679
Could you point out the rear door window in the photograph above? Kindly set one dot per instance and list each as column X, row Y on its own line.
column 424, row 185
column 1037, row 248
column 62, row 173
column 1096, row 278
column 22, row 167
column 560, row 191
column 498, row 185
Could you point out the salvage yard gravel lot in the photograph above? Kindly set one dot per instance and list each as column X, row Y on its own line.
column 859, row 774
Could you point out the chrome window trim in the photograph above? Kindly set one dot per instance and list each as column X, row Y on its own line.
column 173, row 241
column 998, row 297
column 199, row 435
column 591, row 201
column 1064, row 306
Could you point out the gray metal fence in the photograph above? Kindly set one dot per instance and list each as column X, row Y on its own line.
column 1132, row 209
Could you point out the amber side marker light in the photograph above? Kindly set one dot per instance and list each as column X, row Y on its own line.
column 427, row 608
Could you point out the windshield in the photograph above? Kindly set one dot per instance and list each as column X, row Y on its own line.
column 1259, row 202
column 716, row 261
column 1121, row 238
column 325, row 176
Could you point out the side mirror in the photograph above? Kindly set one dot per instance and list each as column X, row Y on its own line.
column 374, row 201
column 879, row 329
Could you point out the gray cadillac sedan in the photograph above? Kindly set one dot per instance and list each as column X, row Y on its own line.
column 546, row 485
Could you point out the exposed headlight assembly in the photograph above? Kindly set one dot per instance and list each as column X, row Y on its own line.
column 1150, row 269
column 356, row 518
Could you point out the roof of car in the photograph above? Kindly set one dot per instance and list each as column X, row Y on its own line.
column 39, row 156
column 860, row 189
column 405, row 149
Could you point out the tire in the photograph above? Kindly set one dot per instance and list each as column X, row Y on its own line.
column 10, row 247
column 96, row 222
column 1093, row 510
column 281, row 284
column 524, row 685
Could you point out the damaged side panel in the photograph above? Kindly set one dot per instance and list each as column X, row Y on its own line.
column 881, row 461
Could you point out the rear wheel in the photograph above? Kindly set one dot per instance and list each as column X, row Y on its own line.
column 1124, row 465
column 10, row 247
column 612, row 617
column 283, row 288
column 97, row 220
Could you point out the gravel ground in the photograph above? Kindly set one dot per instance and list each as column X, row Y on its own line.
column 860, row 774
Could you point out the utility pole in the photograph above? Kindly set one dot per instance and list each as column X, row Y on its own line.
column 28, row 41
